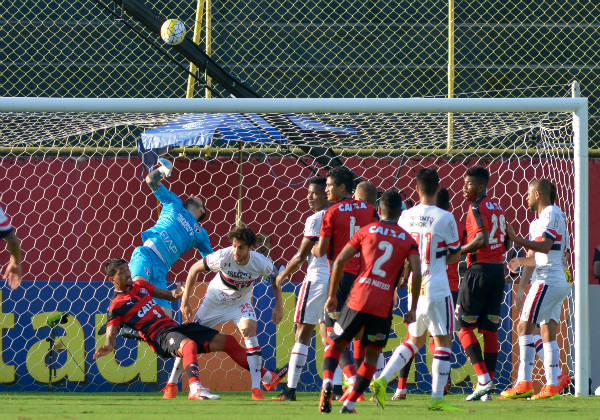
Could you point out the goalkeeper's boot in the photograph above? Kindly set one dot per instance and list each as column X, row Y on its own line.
column 257, row 394
column 523, row 389
column 564, row 381
column 346, row 410
column 288, row 394
column 399, row 395
column 276, row 376
column 480, row 391
column 547, row 392
column 325, row 401
column 438, row 404
column 378, row 387
column 170, row 391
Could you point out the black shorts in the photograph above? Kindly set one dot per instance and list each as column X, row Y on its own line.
column 342, row 293
column 167, row 341
column 480, row 297
column 350, row 322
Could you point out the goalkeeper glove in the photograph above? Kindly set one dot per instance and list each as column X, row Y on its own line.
column 165, row 168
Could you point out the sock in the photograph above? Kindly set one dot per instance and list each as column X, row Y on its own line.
column 539, row 346
column 359, row 353
column 440, row 371
column 346, row 359
column 176, row 372
column 236, row 351
column 337, row 376
column 473, row 351
column 399, row 359
column 380, row 366
column 330, row 362
column 552, row 362
column 254, row 356
column 363, row 379
column 403, row 375
column 526, row 358
column 297, row 362
column 190, row 363
column 350, row 404
column 490, row 351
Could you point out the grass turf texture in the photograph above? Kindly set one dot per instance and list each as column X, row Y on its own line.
column 238, row 405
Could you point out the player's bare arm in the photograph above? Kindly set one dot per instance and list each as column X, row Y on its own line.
column 405, row 275
column 170, row 295
column 13, row 270
column 452, row 258
column 320, row 247
column 195, row 270
column 415, row 268
column 336, row 275
column 154, row 178
column 542, row 246
column 481, row 240
column 517, row 262
column 109, row 343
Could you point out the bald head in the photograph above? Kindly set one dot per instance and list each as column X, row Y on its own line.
column 540, row 194
column 367, row 192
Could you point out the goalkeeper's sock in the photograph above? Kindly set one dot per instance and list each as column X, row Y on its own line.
column 254, row 357
column 404, row 372
column 330, row 362
column 297, row 362
column 236, row 351
column 552, row 363
column 526, row 358
column 440, row 371
column 473, row 351
column 359, row 353
column 490, row 351
column 539, row 346
column 399, row 359
column 176, row 372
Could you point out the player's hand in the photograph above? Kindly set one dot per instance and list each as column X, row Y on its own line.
column 277, row 314
column 410, row 317
column 519, row 299
column 315, row 250
column 177, row 293
column 331, row 305
column 102, row 351
column 510, row 232
column 186, row 310
column 13, row 274
column 513, row 265
column 166, row 167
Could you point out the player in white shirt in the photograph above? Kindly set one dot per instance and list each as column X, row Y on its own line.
column 436, row 233
column 548, row 241
column 313, row 292
column 229, row 296
column 13, row 270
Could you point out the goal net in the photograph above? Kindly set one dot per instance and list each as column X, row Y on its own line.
column 73, row 185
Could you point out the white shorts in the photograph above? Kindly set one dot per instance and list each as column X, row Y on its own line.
column 544, row 303
column 214, row 312
column 310, row 304
column 435, row 316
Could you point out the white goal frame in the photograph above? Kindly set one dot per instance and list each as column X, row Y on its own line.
column 576, row 105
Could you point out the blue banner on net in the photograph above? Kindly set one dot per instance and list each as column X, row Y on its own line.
column 38, row 354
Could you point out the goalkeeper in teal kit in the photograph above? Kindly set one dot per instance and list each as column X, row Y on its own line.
column 176, row 232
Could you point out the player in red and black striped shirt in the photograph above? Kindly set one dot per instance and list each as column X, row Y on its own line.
column 480, row 294
column 133, row 305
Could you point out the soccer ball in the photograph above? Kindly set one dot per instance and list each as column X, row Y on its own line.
column 172, row 31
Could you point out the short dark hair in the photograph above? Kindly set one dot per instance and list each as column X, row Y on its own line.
column 191, row 202
column 428, row 181
column 390, row 203
column 479, row 174
column 318, row 180
column 553, row 192
column 110, row 266
column 341, row 175
column 244, row 234
column 367, row 191
column 443, row 199
column 544, row 187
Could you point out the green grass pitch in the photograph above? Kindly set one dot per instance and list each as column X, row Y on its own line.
column 239, row 406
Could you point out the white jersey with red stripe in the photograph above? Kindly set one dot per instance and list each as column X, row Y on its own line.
column 318, row 267
column 552, row 224
column 234, row 280
column 435, row 231
column 5, row 226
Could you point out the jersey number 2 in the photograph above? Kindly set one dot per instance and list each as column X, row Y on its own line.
column 387, row 249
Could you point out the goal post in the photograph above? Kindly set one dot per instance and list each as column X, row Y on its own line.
column 374, row 119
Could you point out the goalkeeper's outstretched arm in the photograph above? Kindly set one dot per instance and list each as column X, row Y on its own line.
column 163, row 171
